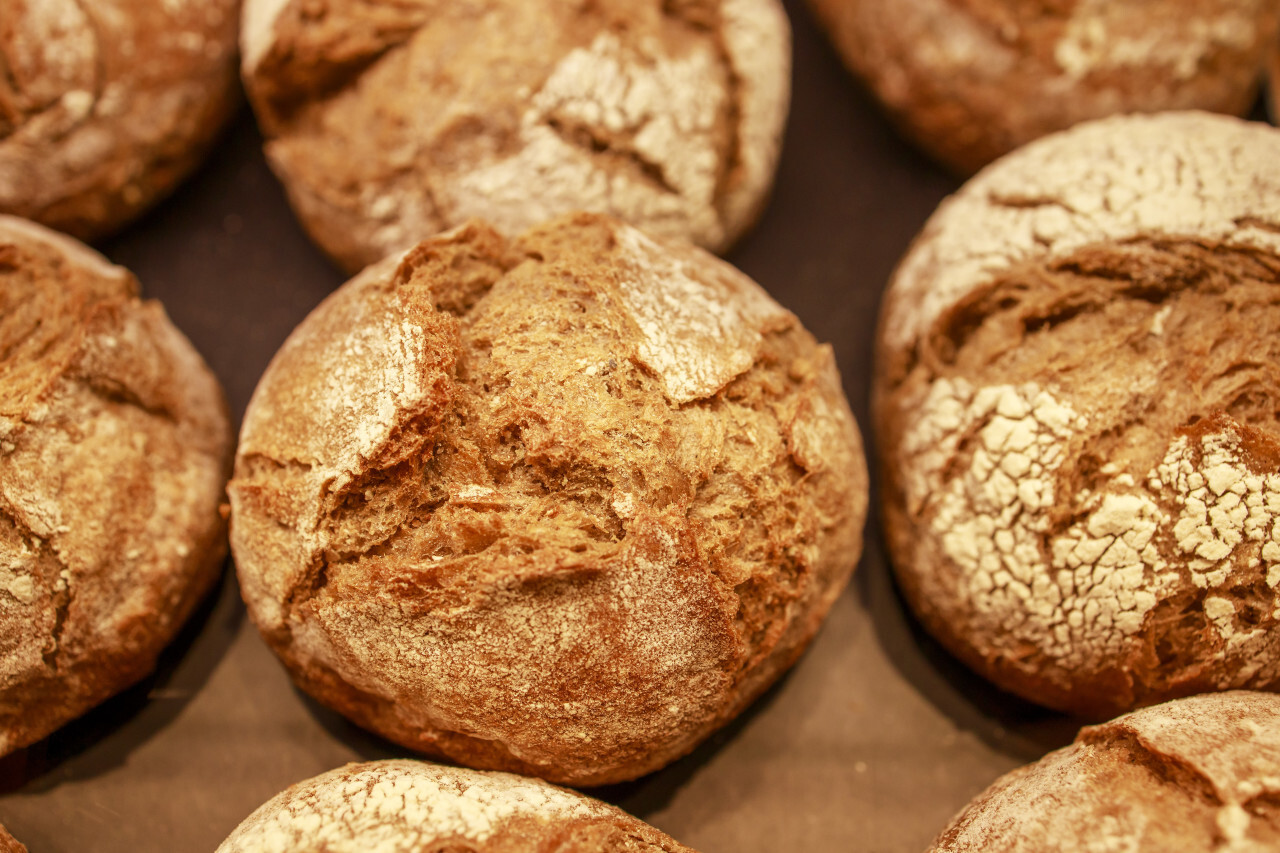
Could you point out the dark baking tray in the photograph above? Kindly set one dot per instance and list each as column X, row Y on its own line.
column 871, row 743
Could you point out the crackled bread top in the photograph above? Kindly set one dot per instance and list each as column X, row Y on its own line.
column 581, row 494
column 1200, row 775
column 9, row 844
column 1078, row 385
column 401, row 806
column 105, row 105
column 389, row 124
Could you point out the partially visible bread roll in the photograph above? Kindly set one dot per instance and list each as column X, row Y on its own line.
column 114, row 444
column 106, row 106
column 1078, row 403
column 9, row 844
column 1198, row 775
column 562, row 505
column 390, row 122
column 969, row 80
column 401, row 806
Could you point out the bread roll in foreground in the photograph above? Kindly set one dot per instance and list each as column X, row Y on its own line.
column 969, row 81
column 404, row 806
column 114, row 447
column 1198, row 775
column 389, row 122
column 1078, row 401
column 106, row 106
column 9, row 844
column 562, row 505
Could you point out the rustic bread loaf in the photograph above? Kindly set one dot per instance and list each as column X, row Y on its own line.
column 388, row 123
column 969, row 80
column 105, row 106
column 1078, row 400
column 1198, row 775
column 9, row 844
column 562, row 505
column 402, row 806
column 114, row 447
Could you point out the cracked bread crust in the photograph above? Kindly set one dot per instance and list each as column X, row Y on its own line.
column 390, row 122
column 114, row 447
column 970, row 80
column 561, row 506
column 1078, row 393
column 106, row 106
column 1197, row 774
column 9, row 844
column 401, row 806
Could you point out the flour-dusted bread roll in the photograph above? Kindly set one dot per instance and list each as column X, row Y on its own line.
column 402, row 806
column 114, row 447
column 9, row 844
column 562, row 505
column 1198, row 775
column 390, row 122
column 105, row 106
column 969, row 80
column 1078, row 398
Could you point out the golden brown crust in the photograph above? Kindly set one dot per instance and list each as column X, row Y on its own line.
column 403, row 806
column 970, row 80
column 390, row 122
column 597, row 494
column 106, row 106
column 9, row 844
column 114, row 444
column 1200, row 775
column 1081, row 442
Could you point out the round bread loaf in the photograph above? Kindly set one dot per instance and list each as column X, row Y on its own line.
column 1078, row 400
column 401, row 806
column 1198, row 775
column 561, row 506
column 9, row 844
column 105, row 106
column 388, row 123
column 969, row 80
column 114, row 447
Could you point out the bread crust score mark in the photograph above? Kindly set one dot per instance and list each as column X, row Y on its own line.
column 595, row 495
column 1078, row 392
column 114, row 446
column 668, row 115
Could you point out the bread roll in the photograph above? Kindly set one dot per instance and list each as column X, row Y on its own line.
column 1198, row 775
column 969, row 80
column 1078, row 399
column 390, row 122
column 114, row 446
column 9, row 844
column 562, row 505
column 404, row 806
column 106, row 106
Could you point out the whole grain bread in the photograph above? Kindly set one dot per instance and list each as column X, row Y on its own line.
column 9, row 844
column 402, row 806
column 114, row 447
column 1197, row 775
column 390, row 122
column 106, row 106
column 1078, row 400
column 562, row 505
column 970, row 80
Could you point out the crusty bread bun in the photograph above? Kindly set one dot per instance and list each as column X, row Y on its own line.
column 401, row 806
column 105, row 106
column 969, row 80
column 562, row 505
column 114, row 447
column 390, row 122
column 1078, row 403
column 9, row 844
column 1198, row 775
